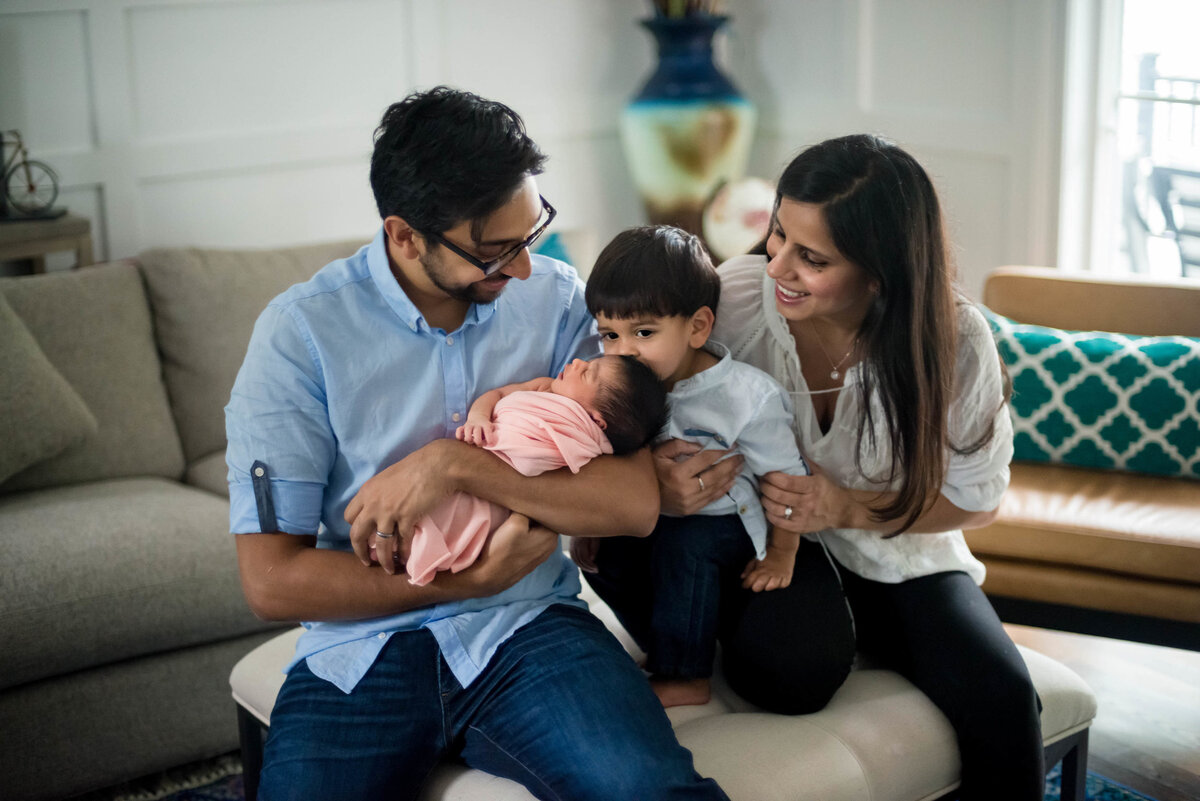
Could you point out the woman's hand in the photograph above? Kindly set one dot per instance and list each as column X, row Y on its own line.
column 392, row 501
column 816, row 502
column 690, row 478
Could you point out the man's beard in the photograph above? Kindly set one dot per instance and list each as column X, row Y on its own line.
column 471, row 293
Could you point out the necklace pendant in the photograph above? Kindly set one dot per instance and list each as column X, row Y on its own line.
column 835, row 375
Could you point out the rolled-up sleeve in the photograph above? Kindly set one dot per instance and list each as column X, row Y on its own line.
column 976, row 481
column 277, row 415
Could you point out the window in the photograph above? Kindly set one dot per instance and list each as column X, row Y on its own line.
column 1131, row 188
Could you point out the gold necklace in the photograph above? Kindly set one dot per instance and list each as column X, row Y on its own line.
column 835, row 374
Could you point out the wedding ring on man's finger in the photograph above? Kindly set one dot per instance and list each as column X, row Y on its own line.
column 381, row 536
column 701, row 483
column 787, row 513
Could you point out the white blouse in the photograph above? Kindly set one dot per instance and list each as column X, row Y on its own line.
column 750, row 325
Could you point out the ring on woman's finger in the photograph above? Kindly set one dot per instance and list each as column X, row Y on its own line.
column 380, row 535
column 787, row 513
column 701, row 483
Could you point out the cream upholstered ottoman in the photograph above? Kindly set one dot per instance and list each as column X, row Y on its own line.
column 879, row 739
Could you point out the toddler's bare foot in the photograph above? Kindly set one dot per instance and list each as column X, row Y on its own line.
column 681, row 692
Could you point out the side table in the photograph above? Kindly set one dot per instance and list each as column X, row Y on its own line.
column 33, row 239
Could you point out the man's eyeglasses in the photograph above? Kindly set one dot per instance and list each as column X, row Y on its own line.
column 493, row 265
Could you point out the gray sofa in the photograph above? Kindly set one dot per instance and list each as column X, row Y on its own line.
column 121, row 613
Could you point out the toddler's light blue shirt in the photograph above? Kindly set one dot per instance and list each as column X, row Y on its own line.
column 735, row 405
column 343, row 377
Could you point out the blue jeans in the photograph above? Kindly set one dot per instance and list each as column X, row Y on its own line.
column 561, row 709
column 691, row 558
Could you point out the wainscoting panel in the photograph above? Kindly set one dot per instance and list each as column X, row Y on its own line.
column 217, row 209
column 970, row 89
column 249, row 123
column 47, row 98
column 208, row 69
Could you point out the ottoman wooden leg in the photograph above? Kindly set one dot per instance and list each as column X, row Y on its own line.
column 250, row 736
column 1074, row 769
column 1073, row 752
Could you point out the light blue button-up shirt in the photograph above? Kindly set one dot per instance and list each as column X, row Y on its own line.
column 735, row 405
column 343, row 377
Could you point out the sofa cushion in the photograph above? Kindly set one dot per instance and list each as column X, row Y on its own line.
column 94, row 327
column 1118, row 523
column 1103, row 400
column 40, row 414
column 209, row 473
column 205, row 304
column 100, row 572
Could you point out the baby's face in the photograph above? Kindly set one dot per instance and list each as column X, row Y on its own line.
column 583, row 381
column 664, row 344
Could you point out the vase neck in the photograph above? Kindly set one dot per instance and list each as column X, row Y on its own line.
column 685, row 68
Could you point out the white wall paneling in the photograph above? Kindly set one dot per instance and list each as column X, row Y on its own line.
column 246, row 123
column 206, row 123
column 971, row 89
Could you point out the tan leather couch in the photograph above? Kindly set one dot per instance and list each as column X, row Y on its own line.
column 1101, row 552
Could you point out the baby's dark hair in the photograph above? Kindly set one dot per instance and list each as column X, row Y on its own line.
column 654, row 271
column 635, row 409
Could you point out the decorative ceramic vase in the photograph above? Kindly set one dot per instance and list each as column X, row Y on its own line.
column 689, row 129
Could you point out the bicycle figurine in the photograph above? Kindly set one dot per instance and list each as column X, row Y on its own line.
column 30, row 186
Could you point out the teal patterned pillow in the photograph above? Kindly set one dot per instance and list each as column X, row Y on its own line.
column 1096, row 399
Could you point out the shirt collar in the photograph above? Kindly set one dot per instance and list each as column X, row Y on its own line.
column 707, row 378
column 381, row 273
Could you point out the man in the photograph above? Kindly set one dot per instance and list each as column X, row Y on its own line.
column 340, row 436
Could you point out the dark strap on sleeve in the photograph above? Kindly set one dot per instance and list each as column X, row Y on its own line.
column 261, row 477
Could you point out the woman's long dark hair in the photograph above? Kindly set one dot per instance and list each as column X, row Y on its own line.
column 883, row 214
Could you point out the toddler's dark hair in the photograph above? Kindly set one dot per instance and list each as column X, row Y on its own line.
column 655, row 271
column 635, row 410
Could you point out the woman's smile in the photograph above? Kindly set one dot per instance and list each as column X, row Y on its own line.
column 789, row 296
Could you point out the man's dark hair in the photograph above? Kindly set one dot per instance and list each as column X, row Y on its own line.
column 445, row 155
column 655, row 271
column 634, row 410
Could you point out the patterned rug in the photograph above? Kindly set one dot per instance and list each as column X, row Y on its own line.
column 1096, row 788
column 221, row 780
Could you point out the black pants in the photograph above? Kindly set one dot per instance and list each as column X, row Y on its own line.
column 789, row 650
column 941, row 633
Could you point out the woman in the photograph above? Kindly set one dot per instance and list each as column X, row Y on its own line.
column 899, row 406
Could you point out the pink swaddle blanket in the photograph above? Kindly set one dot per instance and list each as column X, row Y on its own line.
column 533, row 432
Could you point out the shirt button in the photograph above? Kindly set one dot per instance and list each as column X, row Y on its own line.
column 381, row 635
column 258, row 471
column 449, row 340
column 456, row 417
column 741, row 510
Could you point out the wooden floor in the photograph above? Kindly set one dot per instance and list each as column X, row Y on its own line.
column 1147, row 730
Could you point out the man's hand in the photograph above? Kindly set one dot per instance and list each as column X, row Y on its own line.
column 394, row 500
column 690, row 478
column 511, row 552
